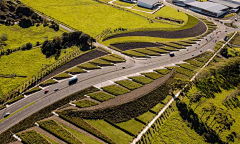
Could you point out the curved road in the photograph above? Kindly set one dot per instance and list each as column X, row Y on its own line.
column 97, row 76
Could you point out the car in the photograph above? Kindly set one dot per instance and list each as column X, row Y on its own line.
column 6, row 114
column 171, row 54
column 226, row 38
column 200, row 50
column 235, row 19
column 123, row 67
column 56, row 89
column 46, row 91
column 193, row 55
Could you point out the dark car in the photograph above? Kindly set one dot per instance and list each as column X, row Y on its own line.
column 226, row 38
column 46, row 91
column 56, row 89
column 171, row 54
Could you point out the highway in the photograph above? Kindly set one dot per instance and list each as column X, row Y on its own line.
column 107, row 73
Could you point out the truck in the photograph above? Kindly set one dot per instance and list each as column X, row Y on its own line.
column 72, row 80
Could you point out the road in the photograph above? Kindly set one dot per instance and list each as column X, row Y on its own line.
column 97, row 76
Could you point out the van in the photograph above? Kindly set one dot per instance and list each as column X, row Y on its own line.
column 72, row 80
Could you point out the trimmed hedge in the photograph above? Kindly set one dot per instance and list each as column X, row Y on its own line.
column 115, row 90
column 133, row 53
column 47, row 83
column 62, row 76
column 188, row 66
column 88, row 66
column 28, row 122
column 101, row 62
column 141, row 79
column 163, row 71
column 32, row 137
column 54, row 128
column 100, row 96
column 129, row 84
column 76, row 70
column 128, row 110
column 15, row 99
column 152, row 75
column 79, row 122
column 147, row 52
column 155, row 49
column 85, row 103
column 33, row 90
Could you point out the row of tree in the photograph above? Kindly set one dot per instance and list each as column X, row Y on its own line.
column 53, row 47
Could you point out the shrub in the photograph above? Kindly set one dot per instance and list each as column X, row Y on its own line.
column 115, row 90
column 47, row 83
column 100, row 96
column 85, row 103
column 62, row 76
column 15, row 99
column 28, row 46
column 129, row 84
column 76, row 70
column 56, row 129
column 141, row 79
column 33, row 90
column 32, row 137
column 88, row 66
column 4, row 37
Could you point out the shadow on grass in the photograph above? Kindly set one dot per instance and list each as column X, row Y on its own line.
column 195, row 123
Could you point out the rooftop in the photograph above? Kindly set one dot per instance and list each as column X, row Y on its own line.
column 229, row 3
column 209, row 6
column 149, row 2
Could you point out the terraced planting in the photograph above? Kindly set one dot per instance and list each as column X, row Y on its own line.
column 141, row 79
column 115, row 90
column 146, row 117
column 88, row 66
column 32, row 137
column 163, row 71
column 134, row 53
column 76, row 70
column 152, row 75
column 47, row 83
column 195, row 63
column 147, row 52
column 131, row 126
column 158, row 50
column 101, row 62
column 62, row 76
column 129, row 84
column 56, row 129
column 188, row 66
column 167, row 48
column 85, row 103
column 113, row 58
column 101, row 96
column 33, row 90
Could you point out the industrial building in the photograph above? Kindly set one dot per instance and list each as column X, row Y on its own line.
column 229, row 3
column 150, row 4
column 207, row 8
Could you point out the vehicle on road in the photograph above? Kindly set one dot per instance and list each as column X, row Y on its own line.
column 226, row 38
column 56, row 89
column 72, row 80
column 6, row 114
column 171, row 54
column 235, row 19
column 46, row 91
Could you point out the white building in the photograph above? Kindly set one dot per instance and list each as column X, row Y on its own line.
column 148, row 3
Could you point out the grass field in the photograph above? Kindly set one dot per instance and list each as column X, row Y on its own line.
column 115, row 134
column 129, row 84
column 23, row 63
column 141, row 79
column 85, row 103
column 115, row 90
column 101, row 96
column 146, row 117
column 87, row 15
column 47, row 83
column 62, row 76
column 131, row 126
column 163, row 71
column 18, row 36
column 30, row 137
column 152, row 75
column 76, row 70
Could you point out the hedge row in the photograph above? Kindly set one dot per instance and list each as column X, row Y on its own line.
column 85, row 103
column 131, row 85
column 100, row 96
column 47, row 83
column 33, row 90
column 15, row 99
column 152, row 75
column 32, row 137
column 6, row 136
column 128, row 110
column 79, row 122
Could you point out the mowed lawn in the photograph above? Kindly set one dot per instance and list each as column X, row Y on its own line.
column 92, row 17
column 23, row 63
column 17, row 36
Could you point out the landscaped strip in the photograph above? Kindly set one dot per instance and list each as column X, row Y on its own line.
column 85, row 103
column 100, row 96
column 163, row 71
column 47, row 83
column 62, row 76
column 131, row 85
column 146, row 117
column 152, row 75
column 32, row 137
column 33, row 90
column 89, row 66
column 115, row 90
column 76, row 70
column 141, row 79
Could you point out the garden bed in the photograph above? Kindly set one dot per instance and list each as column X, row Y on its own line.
column 47, row 83
column 141, row 79
column 76, row 70
column 129, row 84
column 85, row 103
column 62, row 76
column 134, row 45
column 115, row 90
column 33, row 90
column 152, row 75
column 100, row 96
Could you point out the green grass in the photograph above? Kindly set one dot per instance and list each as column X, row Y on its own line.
column 80, row 136
column 195, row 63
column 167, row 48
column 76, row 70
column 236, row 39
column 87, row 15
column 155, row 49
column 47, row 83
column 163, row 71
column 56, row 129
column 23, row 63
column 129, row 84
column 175, row 130
column 183, row 71
column 158, row 107
column 132, row 126
column 49, row 139
column 115, row 90
column 18, row 36
column 30, row 137
column 15, row 99
column 141, row 79
column 88, row 66
column 152, row 75
column 147, row 52
column 177, row 46
column 115, row 134
column 113, row 58
column 181, row 43
column 101, row 62
column 62, row 76
column 188, row 66
column 100, row 96
column 85, row 103
column 133, row 53
column 32, row 90
column 142, row 9
column 146, row 117
column 17, row 111
column 121, row 3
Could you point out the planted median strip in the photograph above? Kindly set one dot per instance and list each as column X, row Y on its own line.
column 131, row 85
column 100, row 96
column 17, row 111
column 115, row 90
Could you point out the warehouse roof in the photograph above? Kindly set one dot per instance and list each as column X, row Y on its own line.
column 229, row 3
column 209, row 6
column 149, row 2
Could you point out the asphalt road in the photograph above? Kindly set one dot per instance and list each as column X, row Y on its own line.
column 107, row 73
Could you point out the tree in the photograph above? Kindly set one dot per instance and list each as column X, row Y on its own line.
column 4, row 37
column 3, row 4
column 25, row 22
column 231, row 137
column 28, row 46
column 178, row 84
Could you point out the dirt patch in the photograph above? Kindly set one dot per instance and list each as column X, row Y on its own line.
column 134, row 45
column 197, row 30
column 81, row 59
